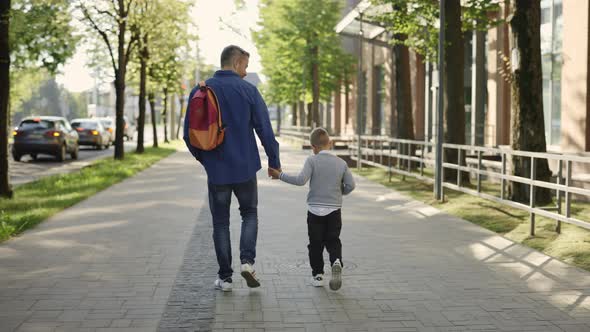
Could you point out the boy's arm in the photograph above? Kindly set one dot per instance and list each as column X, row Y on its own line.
column 261, row 121
column 300, row 179
column 348, row 184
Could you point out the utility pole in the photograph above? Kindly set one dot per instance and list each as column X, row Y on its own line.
column 439, row 126
column 360, row 94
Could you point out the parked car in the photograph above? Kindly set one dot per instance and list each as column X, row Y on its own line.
column 109, row 125
column 45, row 135
column 129, row 130
column 92, row 132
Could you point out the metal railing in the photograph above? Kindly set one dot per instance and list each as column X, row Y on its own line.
column 296, row 132
column 302, row 134
column 388, row 153
column 393, row 155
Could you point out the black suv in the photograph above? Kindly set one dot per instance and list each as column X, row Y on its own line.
column 45, row 135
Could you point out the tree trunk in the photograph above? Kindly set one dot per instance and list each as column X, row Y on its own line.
column 405, row 122
column 302, row 117
column 142, row 94
column 120, row 74
column 279, row 119
column 315, row 81
column 164, row 116
column 5, row 188
column 294, row 115
column 172, row 116
column 528, row 128
column 152, row 100
column 181, row 116
column 309, row 114
column 454, row 98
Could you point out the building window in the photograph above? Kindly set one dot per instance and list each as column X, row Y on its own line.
column 551, row 42
column 379, row 75
column 364, row 109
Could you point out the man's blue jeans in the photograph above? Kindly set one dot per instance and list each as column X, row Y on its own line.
column 219, row 203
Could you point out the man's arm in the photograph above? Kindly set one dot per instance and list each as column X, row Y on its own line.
column 194, row 151
column 300, row 179
column 264, row 131
column 348, row 184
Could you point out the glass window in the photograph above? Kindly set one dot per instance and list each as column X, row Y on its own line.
column 380, row 97
column 364, row 109
column 36, row 124
column 551, row 46
column 85, row 124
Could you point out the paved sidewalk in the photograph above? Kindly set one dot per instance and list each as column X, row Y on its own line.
column 109, row 262
column 138, row 257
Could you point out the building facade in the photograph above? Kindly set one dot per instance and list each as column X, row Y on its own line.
column 565, row 41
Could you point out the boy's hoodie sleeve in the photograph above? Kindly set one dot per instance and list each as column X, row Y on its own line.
column 303, row 176
column 348, row 184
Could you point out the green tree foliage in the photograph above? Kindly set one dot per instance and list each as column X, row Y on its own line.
column 109, row 22
column 33, row 34
column 154, row 22
column 418, row 20
column 41, row 34
column 297, row 42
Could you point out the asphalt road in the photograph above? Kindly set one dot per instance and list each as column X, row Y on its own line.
column 28, row 170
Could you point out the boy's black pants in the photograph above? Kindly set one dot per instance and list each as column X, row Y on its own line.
column 324, row 232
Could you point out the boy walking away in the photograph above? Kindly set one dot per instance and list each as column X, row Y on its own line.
column 329, row 178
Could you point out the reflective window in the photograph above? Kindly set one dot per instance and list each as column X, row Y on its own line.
column 551, row 46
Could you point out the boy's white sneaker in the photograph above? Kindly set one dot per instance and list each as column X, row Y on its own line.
column 250, row 275
column 317, row 280
column 224, row 285
column 336, row 281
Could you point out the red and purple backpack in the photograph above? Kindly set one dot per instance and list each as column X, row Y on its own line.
column 206, row 130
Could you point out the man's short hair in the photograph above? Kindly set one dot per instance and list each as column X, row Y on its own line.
column 230, row 53
column 319, row 137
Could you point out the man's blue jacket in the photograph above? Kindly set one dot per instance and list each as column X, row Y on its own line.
column 243, row 110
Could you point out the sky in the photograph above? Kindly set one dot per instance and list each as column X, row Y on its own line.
column 214, row 36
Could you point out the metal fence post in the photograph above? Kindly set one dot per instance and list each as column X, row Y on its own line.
column 381, row 155
column 532, row 197
column 390, row 157
column 422, row 160
column 408, row 155
column 568, row 181
column 559, row 181
column 459, row 150
column 503, row 181
column 478, row 171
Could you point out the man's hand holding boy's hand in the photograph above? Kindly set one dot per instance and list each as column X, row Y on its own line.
column 274, row 173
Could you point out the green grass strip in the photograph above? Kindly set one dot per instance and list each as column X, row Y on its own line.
column 571, row 246
column 36, row 201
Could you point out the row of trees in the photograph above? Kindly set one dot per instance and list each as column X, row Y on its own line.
column 301, row 54
column 145, row 44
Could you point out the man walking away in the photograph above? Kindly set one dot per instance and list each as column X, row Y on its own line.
column 232, row 167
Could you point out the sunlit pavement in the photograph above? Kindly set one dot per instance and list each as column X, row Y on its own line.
column 139, row 257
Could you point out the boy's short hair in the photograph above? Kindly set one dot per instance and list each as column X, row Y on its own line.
column 319, row 137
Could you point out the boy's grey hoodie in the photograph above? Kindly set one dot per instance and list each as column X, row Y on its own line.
column 330, row 179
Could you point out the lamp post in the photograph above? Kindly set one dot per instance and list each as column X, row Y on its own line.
column 360, row 93
column 439, row 126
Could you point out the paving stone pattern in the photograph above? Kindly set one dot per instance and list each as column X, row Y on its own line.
column 139, row 257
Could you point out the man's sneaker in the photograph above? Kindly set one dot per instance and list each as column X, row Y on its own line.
column 250, row 275
column 336, row 281
column 224, row 285
column 317, row 280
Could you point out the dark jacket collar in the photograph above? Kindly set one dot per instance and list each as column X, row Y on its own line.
column 226, row 73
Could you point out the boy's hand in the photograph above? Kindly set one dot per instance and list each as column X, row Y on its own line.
column 274, row 173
